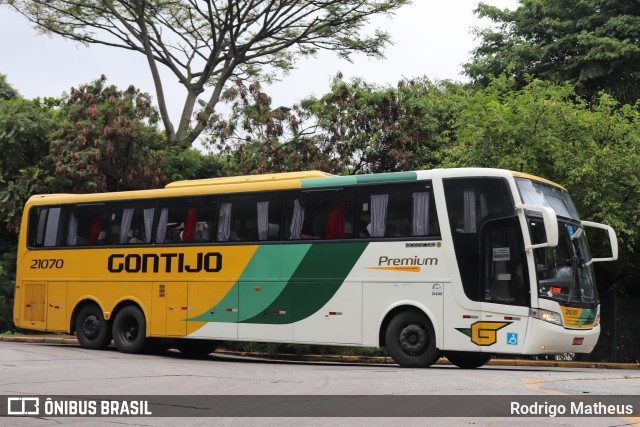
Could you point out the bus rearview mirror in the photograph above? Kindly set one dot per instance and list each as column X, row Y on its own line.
column 550, row 225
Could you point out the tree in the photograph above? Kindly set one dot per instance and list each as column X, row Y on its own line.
column 25, row 126
column 24, row 129
column 106, row 140
column 355, row 128
column 180, row 164
column 594, row 44
column 6, row 90
column 590, row 148
column 258, row 139
column 384, row 129
column 207, row 43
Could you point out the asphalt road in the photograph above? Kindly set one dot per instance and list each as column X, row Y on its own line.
column 65, row 369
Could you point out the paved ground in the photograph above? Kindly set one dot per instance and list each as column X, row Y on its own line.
column 69, row 339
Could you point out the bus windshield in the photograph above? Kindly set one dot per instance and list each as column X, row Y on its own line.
column 565, row 273
column 538, row 193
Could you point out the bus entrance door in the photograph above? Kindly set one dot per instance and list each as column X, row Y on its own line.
column 505, row 291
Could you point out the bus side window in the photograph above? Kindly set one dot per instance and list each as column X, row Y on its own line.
column 131, row 222
column 87, row 225
column 504, row 278
column 400, row 210
column 320, row 214
column 185, row 220
column 46, row 226
column 250, row 218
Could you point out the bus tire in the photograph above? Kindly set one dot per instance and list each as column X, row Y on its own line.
column 92, row 330
column 468, row 360
column 129, row 330
column 411, row 340
column 196, row 348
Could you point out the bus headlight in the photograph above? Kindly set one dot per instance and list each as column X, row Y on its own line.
column 547, row 316
column 597, row 321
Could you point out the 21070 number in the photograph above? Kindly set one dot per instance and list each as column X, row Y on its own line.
column 50, row 263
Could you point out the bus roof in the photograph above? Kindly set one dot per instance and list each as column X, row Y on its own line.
column 536, row 178
column 249, row 179
column 285, row 180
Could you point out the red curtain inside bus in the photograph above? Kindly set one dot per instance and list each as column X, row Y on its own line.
column 189, row 233
column 335, row 223
column 94, row 233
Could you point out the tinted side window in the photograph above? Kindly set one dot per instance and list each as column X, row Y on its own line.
column 87, row 225
column 46, row 226
column 320, row 214
column 131, row 222
column 397, row 211
column 505, row 275
column 185, row 220
column 249, row 218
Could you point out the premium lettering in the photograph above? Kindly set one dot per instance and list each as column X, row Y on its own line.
column 386, row 261
column 210, row 262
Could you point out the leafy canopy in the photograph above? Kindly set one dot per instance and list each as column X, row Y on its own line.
column 593, row 44
column 355, row 128
column 105, row 140
column 25, row 127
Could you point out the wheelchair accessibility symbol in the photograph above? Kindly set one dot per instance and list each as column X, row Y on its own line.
column 512, row 338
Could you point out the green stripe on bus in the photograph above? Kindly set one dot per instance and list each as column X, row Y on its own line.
column 256, row 287
column 379, row 178
column 255, row 294
column 587, row 317
column 387, row 177
column 314, row 283
column 329, row 182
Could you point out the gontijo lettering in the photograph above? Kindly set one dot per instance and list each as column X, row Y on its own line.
column 211, row 262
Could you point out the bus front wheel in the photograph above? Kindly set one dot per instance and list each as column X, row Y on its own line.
column 129, row 330
column 92, row 330
column 411, row 341
column 468, row 360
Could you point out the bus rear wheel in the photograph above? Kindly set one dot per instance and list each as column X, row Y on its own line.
column 92, row 330
column 411, row 341
column 129, row 330
column 468, row 360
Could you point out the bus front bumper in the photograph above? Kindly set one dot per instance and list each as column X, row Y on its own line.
column 547, row 338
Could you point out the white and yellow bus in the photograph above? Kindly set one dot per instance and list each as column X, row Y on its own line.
column 463, row 263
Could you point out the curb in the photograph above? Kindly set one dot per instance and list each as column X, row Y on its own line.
column 382, row 360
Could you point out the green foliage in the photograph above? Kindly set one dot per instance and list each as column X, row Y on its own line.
column 25, row 126
column 355, row 128
column 24, row 129
column 382, row 129
column 106, row 140
column 546, row 130
column 6, row 90
column 7, row 283
column 258, row 139
column 591, row 43
column 180, row 164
